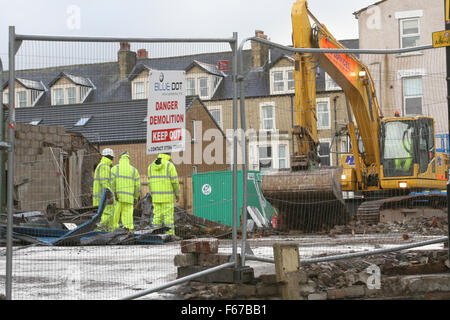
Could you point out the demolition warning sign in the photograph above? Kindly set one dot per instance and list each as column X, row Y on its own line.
column 166, row 111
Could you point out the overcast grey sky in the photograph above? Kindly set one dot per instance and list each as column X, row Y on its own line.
column 170, row 18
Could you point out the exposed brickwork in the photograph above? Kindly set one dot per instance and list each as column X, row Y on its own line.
column 202, row 245
column 42, row 174
column 140, row 159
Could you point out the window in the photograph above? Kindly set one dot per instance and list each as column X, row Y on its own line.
column 196, row 130
column 412, row 95
column 83, row 120
column 282, row 156
column 71, row 94
column 59, row 96
column 216, row 113
column 21, row 99
column 345, row 145
column 282, row 80
column 323, row 113
column 330, row 84
column 265, row 158
column 190, row 86
column 409, row 33
column 5, row 97
column 139, row 90
column 324, row 153
column 278, row 82
column 267, row 118
column 291, row 82
column 203, row 87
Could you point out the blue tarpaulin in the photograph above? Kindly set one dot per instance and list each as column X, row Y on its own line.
column 84, row 234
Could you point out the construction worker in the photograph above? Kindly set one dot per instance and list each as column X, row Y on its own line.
column 102, row 180
column 164, row 190
column 126, row 186
column 404, row 164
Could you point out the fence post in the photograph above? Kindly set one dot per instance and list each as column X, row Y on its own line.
column 447, row 58
column 10, row 183
column 244, row 164
column 3, row 144
column 234, row 165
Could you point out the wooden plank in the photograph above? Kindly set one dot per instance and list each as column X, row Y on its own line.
column 75, row 173
column 287, row 266
column 61, row 178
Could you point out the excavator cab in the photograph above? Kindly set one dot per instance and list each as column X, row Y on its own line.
column 407, row 143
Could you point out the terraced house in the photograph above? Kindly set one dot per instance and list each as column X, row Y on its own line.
column 106, row 103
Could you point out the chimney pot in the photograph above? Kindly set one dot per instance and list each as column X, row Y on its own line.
column 124, row 46
column 142, row 54
column 260, row 34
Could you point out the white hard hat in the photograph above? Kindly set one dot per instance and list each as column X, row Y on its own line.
column 108, row 152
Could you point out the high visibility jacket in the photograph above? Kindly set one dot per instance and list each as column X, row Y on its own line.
column 163, row 180
column 126, row 183
column 405, row 162
column 102, row 179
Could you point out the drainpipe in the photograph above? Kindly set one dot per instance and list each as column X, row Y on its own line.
column 335, row 130
column 292, row 125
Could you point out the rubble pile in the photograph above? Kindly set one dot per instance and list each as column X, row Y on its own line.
column 346, row 279
column 340, row 274
column 188, row 226
column 427, row 226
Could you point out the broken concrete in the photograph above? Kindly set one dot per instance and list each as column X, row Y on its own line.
column 401, row 278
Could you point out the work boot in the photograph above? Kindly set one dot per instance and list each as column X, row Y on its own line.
column 102, row 228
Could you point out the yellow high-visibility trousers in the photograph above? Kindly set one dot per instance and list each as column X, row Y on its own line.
column 163, row 213
column 123, row 212
column 107, row 219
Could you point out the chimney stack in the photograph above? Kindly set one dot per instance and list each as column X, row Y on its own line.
column 127, row 60
column 260, row 52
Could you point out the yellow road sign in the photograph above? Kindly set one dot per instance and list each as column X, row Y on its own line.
column 441, row 38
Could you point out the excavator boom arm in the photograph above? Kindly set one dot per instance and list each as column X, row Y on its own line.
column 346, row 70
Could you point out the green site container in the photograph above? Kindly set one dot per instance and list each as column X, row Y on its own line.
column 213, row 196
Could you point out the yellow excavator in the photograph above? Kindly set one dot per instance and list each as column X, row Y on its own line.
column 392, row 160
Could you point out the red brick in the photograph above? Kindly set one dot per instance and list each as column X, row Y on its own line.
column 202, row 245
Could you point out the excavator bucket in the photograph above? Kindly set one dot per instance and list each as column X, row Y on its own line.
column 307, row 201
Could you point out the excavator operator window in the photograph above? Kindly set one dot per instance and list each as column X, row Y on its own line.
column 398, row 148
column 426, row 143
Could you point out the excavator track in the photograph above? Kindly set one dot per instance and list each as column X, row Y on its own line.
column 402, row 208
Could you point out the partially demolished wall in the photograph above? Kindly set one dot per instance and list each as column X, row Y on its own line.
column 52, row 166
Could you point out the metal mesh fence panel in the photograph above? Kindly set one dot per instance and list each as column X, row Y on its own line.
column 74, row 102
column 321, row 205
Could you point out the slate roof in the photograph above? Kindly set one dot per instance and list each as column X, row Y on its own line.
column 104, row 77
column 114, row 122
column 82, row 81
column 115, row 117
column 209, row 68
